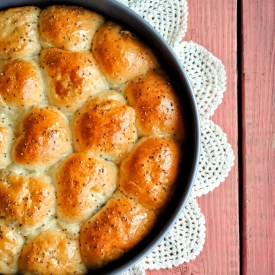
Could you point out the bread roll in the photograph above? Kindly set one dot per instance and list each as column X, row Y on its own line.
column 158, row 109
column 20, row 82
column 149, row 172
column 121, row 55
column 114, row 230
column 68, row 28
column 44, row 138
column 51, row 252
column 104, row 127
column 26, row 200
column 10, row 247
column 5, row 145
column 71, row 77
column 83, row 184
column 19, row 32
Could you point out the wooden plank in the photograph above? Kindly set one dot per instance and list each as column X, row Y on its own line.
column 259, row 136
column 212, row 24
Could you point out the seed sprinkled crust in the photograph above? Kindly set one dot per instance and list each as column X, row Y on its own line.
column 91, row 140
column 25, row 200
column 121, row 55
column 113, row 231
column 149, row 172
column 69, row 28
column 105, row 127
column 19, row 32
column 44, row 138
column 51, row 252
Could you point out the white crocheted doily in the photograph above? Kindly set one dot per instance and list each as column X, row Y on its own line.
column 208, row 79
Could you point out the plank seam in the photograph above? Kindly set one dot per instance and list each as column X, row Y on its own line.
column 240, row 130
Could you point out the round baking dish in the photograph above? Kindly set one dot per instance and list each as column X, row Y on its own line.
column 117, row 12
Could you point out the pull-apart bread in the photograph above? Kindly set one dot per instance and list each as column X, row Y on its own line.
column 91, row 140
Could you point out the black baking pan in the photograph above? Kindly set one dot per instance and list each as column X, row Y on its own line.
column 115, row 11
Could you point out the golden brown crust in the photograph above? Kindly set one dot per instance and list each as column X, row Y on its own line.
column 149, row 172
column 104, row 127
column 5, row 144
column 120, row 55
column 51, row 252
column 26, row 200
column 44, row 139
column 10, row 247
column 158, row 109
column 84, row 183
column 81, row 191
column 19, row 32
column 69, row 28
column 114, row 230
column 20, row 82
column 71, row 77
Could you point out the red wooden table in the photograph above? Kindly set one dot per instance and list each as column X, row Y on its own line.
column 240, row 213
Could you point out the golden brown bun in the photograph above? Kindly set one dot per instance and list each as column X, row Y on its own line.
column 120, row 55
column 10, row 247
column 26, row 200
column 114, row 230
column 158, row 109
column 20, row 82
column 104, row 127
column 71, row 77
column 51, row 252
column 149, row 172
column 43, row 140
column 19, row 32
column 68, row 28
column 83, row 184
column 5, row 145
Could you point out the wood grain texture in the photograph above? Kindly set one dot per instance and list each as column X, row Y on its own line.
column 212, row 24
column 258, row 136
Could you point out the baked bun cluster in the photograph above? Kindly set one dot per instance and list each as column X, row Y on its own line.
column 91, row 140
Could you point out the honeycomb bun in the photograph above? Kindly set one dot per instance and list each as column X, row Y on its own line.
column 158, row 109
column 83, row 184
column 27, row 200
column 21, row 84
column 19, row 32
column 71, row 77
column 11, row 243
column 51, row 252
column 105, row 127
column 149, row 172
column 67, row 27
column 121, row 55
column 44, row 138
column 114, row 230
